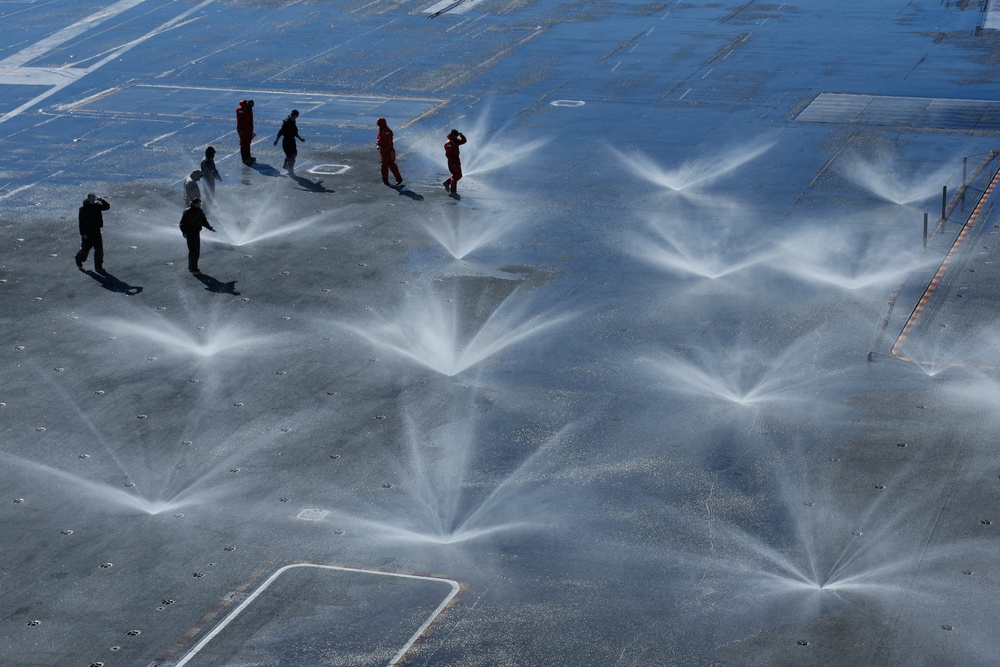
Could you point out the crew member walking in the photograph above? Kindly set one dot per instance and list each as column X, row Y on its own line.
column 455, row 139
column 91, row 222
column 288, row 133
column 192, row 222
column 387, row 152
column 244, row 128
column 209, row 173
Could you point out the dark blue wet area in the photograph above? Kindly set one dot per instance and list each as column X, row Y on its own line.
column 642, row 388
column 16, row 95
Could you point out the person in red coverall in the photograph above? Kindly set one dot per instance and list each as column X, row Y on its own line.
column 244, row 128
column 388, row 154
column 455, row 139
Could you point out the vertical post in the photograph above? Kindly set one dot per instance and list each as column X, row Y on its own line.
column 925, row 230
column 965, row 171
column 944, row 201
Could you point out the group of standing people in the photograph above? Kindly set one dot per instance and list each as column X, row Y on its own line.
column 288, row 134
column 196, row 203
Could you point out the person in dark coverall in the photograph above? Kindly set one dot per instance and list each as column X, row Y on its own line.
column 192, row 222
column 288, row 133
column 387, row 152
column 455, row 139
column 91, row 221
column 244, row 128
column 209, row 174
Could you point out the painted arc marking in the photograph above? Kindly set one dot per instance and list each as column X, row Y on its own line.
column 328, row 169
column 567, row 103
column 454, row 585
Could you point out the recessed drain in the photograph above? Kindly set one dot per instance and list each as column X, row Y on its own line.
column 312, row 515
column 134, row 633
column 106, row 565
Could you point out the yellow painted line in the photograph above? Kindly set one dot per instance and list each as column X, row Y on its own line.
column 897, row 348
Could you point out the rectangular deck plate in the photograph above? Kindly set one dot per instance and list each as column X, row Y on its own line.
column 305, row 613
column 916, row 112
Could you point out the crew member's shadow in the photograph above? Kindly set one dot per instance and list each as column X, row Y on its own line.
column 404, row 192
column 112, row 284
column 264, row 169
column 217, row 286
column 311, row 186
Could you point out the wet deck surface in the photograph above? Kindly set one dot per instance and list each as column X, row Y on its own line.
column 650, row 392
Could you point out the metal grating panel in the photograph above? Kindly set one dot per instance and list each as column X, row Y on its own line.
column 916, row 112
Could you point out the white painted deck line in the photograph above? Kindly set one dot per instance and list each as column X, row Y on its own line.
column 9, row 73
column 460, row 6
column 60, row 37
column 455, row 588
column 992, row 16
